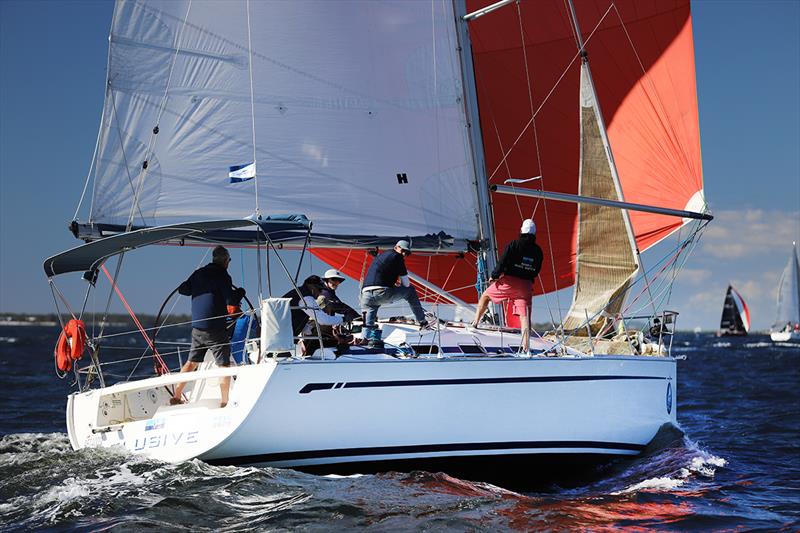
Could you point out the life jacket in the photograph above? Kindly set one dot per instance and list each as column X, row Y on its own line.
column 70, row 345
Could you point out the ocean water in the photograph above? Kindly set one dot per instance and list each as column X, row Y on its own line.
column 734, row 463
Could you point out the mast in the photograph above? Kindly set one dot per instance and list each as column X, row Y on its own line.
column 484, row 214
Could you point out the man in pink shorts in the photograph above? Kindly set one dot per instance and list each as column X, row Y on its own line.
column 512, row 279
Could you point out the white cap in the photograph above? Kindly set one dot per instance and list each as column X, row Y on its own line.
column 332, row 273
column 528, row 226
column 403, row 245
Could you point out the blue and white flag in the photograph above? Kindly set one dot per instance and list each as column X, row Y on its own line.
column 241, row 173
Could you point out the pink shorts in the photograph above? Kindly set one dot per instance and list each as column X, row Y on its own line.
column 519, row 291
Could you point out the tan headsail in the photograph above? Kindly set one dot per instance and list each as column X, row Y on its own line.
column 606, row 259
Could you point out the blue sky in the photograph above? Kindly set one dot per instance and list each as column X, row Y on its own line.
column 52, row 69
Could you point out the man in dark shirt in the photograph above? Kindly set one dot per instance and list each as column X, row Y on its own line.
column 380, row 287
column 512, row 278
column 211, row 289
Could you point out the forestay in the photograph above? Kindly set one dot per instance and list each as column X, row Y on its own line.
column 355, row 111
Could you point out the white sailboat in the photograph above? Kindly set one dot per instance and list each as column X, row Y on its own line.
column 787, row 319
column 386, row 120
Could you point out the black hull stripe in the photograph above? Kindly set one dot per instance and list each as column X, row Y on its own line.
column 311, row 387
column 424, row 448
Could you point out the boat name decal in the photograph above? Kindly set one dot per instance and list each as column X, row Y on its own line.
column 162, row 441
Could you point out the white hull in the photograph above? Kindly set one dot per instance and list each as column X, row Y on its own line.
column 352, row 414
column 784, row 336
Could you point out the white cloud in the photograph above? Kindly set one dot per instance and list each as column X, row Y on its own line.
column 747, row 249
column 695, row 276
column 710, row 300
column 745, row 233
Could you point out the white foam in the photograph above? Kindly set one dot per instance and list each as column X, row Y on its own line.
column 702, row 464
column 758, row 345
column 707, row 466
column 721, row 344
column 70, row 490
column 654, row 484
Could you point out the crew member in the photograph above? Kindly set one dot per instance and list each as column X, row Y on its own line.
column 380, row 287
column 303, row 303
column 211, row 289
column 331, row 281
column 512, row 279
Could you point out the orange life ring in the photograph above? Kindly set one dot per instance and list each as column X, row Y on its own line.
column 71, row 344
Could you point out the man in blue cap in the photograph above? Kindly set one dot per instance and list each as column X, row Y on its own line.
column 380, row 287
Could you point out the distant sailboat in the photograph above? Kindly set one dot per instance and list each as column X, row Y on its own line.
column 787, row 320
column 735, row 315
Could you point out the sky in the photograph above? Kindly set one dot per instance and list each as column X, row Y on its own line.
column 52, row 70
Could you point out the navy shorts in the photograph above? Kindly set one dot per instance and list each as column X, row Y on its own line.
column 216, row 340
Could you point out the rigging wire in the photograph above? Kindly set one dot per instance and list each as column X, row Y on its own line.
column 661, row 111
column 91, row 164
column 549, row 94
column 100, row 130
column 157, row 330
column 541, row 170
column 122, row 150
column 252, row 107
column 156, row 356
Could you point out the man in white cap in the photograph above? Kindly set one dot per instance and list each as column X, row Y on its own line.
column 332, row 279
column 512, row 279
column 380, row 287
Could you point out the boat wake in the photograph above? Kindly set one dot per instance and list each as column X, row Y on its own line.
column 750, row 345
column 44, row 484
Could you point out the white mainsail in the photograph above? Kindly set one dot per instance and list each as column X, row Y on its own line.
column 355, row 110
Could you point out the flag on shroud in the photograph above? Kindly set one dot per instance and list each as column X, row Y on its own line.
column 241, row 173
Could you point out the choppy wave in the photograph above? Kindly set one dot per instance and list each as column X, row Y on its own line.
column 45, row 484
column 702, row 465
column 758, row 345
